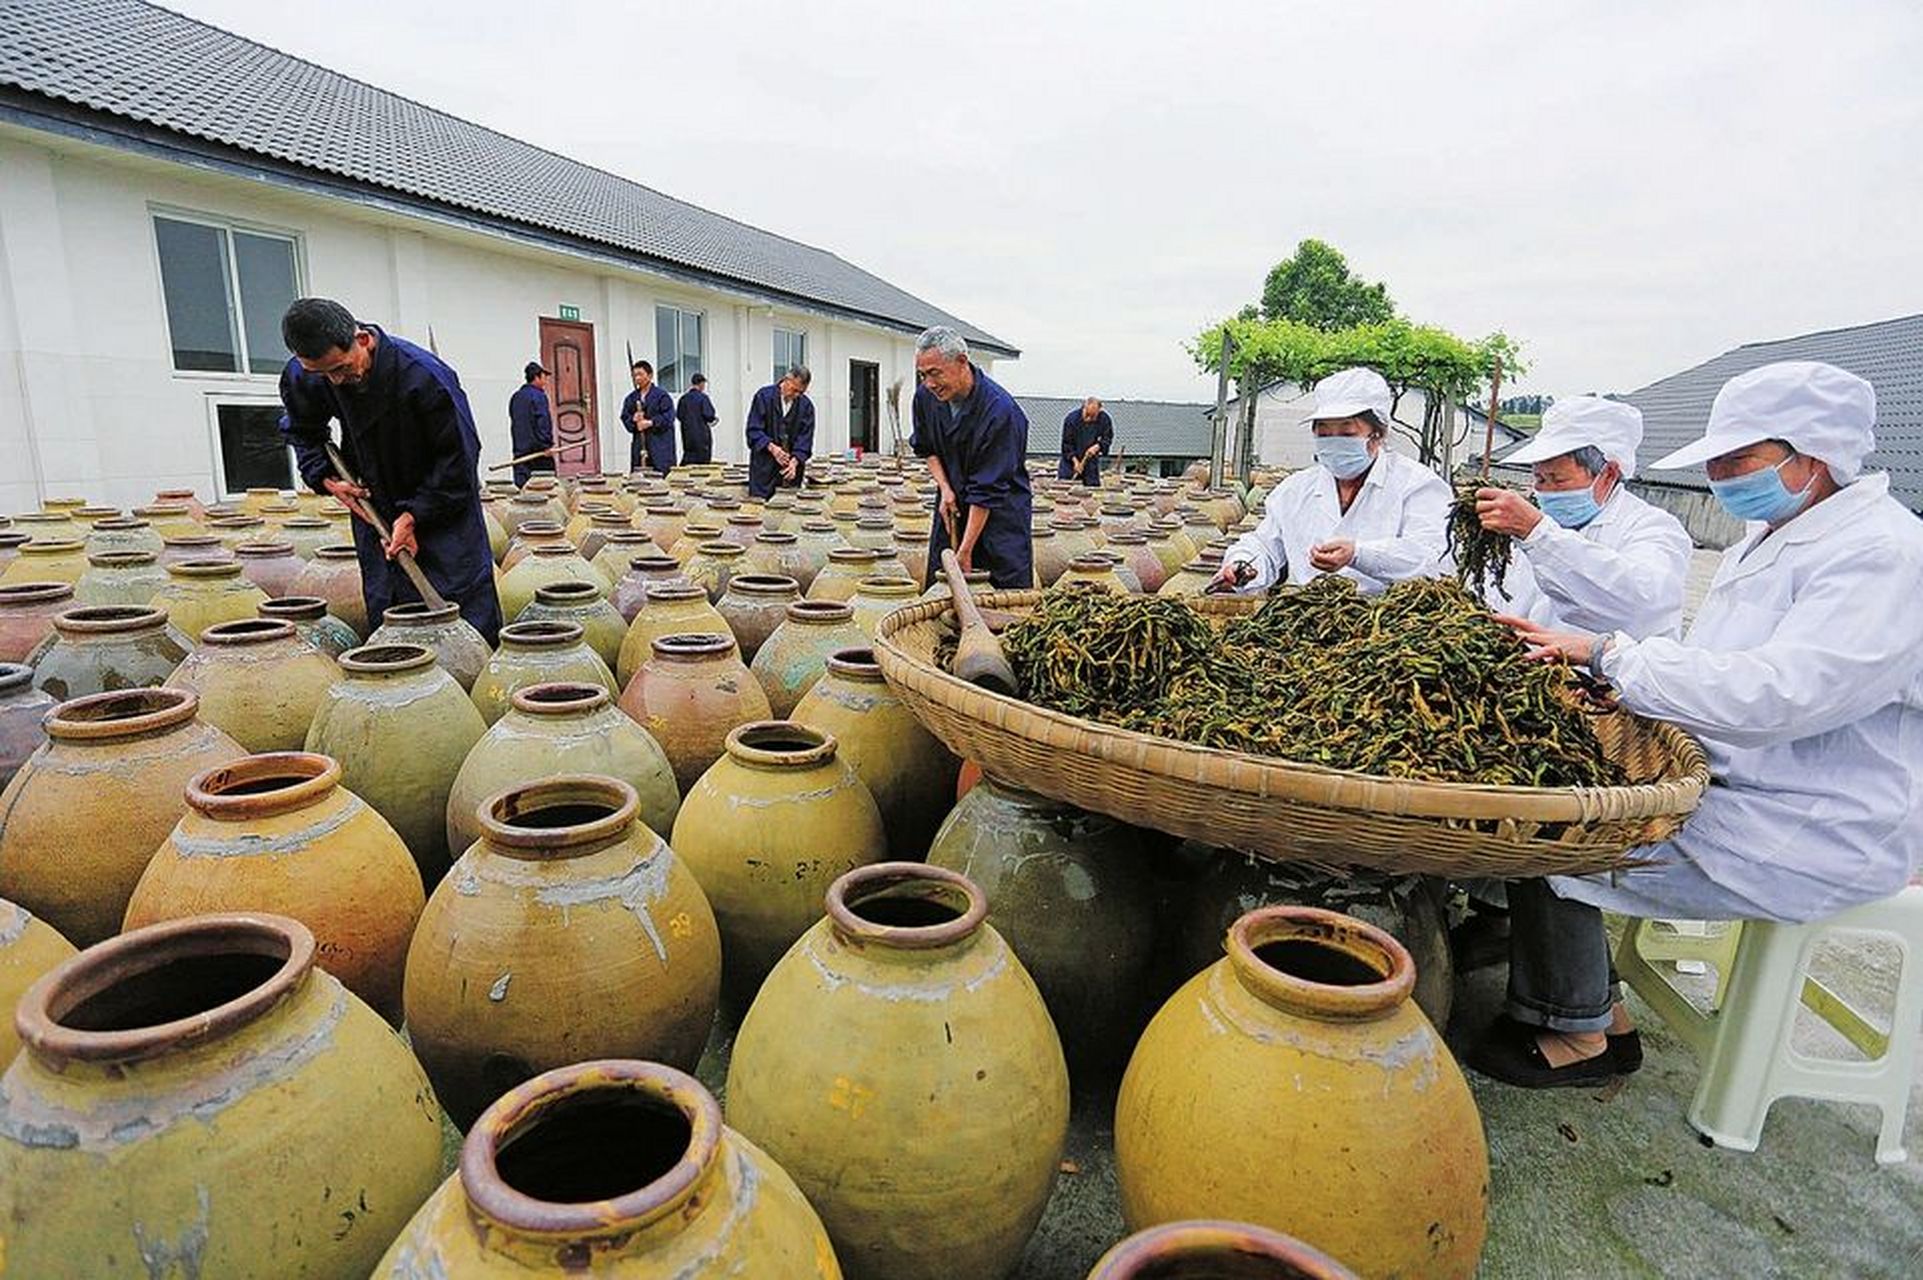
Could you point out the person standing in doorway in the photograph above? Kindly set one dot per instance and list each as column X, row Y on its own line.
column 696, row 415
column 648, row 417
column 1087, row 436
column 408, row 435
column 975, row 438
column 531, row 423
column 781, row 433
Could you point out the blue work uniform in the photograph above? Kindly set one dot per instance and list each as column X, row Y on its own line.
column 1077, row 435
column 696, row 415
column 530, row 428
column 982, row 442
column 793, row 431
column 649, row 422
column 408, row 435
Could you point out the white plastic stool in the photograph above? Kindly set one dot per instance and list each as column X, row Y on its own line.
column 1749, row 1060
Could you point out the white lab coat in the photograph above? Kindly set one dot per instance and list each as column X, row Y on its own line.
column 1623, row 571
column 1398, row 520
column 1803, row 676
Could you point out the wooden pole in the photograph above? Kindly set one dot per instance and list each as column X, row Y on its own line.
column 1489, row 427
column 1220, row 443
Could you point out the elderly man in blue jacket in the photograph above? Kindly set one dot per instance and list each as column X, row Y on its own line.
column 975, row 438
column 408, row 435
column 531, row 423
column 781, row 433
column 1088, row 433
column 648, row 416
column 696, row 414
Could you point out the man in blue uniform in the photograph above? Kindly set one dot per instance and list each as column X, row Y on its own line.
column 781, row 433
column 408, row 435
column 1087, row 436
column 648, row 415
column 696, row 415
column 975, row 438
column 531, row 423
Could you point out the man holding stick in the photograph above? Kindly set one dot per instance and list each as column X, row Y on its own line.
column 531, row 425
column 408, row 436
column 975, row 438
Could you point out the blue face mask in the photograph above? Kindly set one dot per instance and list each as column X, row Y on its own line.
column 1570, row 508
column 1760, row 495
column 1345, row 456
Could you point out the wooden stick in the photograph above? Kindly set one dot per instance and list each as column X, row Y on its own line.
column 526, row 457
column 1489, row 427
column 432, row 597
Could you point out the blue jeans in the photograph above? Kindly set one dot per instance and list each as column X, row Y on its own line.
column 1560, row 975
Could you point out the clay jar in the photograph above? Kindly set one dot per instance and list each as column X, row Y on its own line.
column 846, row 567
column 876, row 598
column 456, row 645
column 1304, row 1040
column 1190, row 580
column 782, row 555
column 585, row 605
column 399, row 726
column 334, row 574
column 259, row 681
column 536, row 653
column 796, row 653
column 899, row 1064
column 128, row 578
column 1091, row 572
column 712, row 565
column 86, row 811
column 563, row 727
column 643, row 575
column 95, row 650
column 568, row 931
column 1071, row 892
column 27, row 611
column 122, row 535
column 310, row 617
column 22, row 708
column 277, row 832
column 689, row 695
column 612, row 1168
column 200, row 593
column 766, row 830
column 1216, row 1251
column 51, row 560
column 224, row 1108
column 271, row 566
column 29, row 947
column 1140, row 562
column 754, row 605
column 544, row 565
column 619, row 549
column 670, row 609
column 905, row 767
column 306, row 535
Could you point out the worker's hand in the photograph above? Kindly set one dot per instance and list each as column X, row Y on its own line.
column 789, row 468
column 1091, row 451
column 965, row 556
column 1233, row 575
column 402, row 538
column 949, row 506
column 341, row 489
column 1575, row 647
column 1506, row 511
column 779, row 454
column 1327, row 557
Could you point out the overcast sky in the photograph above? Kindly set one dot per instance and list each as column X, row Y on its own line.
column 1628, row 188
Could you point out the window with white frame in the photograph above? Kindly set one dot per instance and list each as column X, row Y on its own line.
column 225, row 288
column 791, row 348
column 677, row 347
column 250, row 451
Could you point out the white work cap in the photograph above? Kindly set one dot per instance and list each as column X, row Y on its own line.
column 1582, row 421
column 1822, row 411
column 1348, row 393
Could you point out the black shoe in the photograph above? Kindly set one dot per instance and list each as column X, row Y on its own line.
column 1627, row 1049
column 1509, row 1053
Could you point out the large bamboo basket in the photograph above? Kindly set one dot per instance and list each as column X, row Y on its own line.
column 1297, row 812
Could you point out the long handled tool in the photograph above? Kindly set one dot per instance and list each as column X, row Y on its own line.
column 526, row 457
column 366, row 512
column 978, row 654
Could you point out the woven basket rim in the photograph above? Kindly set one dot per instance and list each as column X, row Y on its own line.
column 1264, row 776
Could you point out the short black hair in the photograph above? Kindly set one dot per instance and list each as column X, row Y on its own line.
column 699, row 380
column 313, row 327
column 644, row 367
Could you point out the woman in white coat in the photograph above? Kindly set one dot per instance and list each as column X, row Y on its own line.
column 1803, row 676
column 1361, row 511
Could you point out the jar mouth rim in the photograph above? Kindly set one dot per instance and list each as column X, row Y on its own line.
column 692, row 644
column 559, row 698
column 205, row 568
column 121, row 713
column 263, row 784
column 764, row 583
column 241, row 631
column 780, row 744
column 543, row 633
column 888, row 584
column 820, row 611
column 15, row 675
column 780, row 536
column 655, row 560
column 82, row 977
column 413, row 613
column 1357, row 941
column 119, row 559
column 572, row 588
column 108, row 619
column 720, row 547
column 34, row 592
column 913, row 881
column 385, row 659
column 846, row 554
column 508, row 818
column 264, row 549
column 291, row 606
column 50, row 546
column 857, row 662
column 551, row 550
column 1203, row 1239
column 337, row 551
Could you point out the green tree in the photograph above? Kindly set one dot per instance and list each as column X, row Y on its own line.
column 1316, row 288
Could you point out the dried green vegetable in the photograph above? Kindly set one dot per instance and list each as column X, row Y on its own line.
column 1481, row 555
column 1420, row 682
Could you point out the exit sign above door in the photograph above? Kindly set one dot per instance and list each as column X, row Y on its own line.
column 570, row 313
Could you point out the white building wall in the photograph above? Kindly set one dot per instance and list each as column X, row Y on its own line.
column 89, row 401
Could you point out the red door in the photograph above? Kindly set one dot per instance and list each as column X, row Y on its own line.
column 567, row 349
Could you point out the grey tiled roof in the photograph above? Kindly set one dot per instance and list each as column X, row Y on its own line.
column 1145, row 428
column 140, row 63
column 1888, row 353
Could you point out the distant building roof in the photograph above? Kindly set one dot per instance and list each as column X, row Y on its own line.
column 1888, row 353
column 149, row 78
column 1144, row 428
